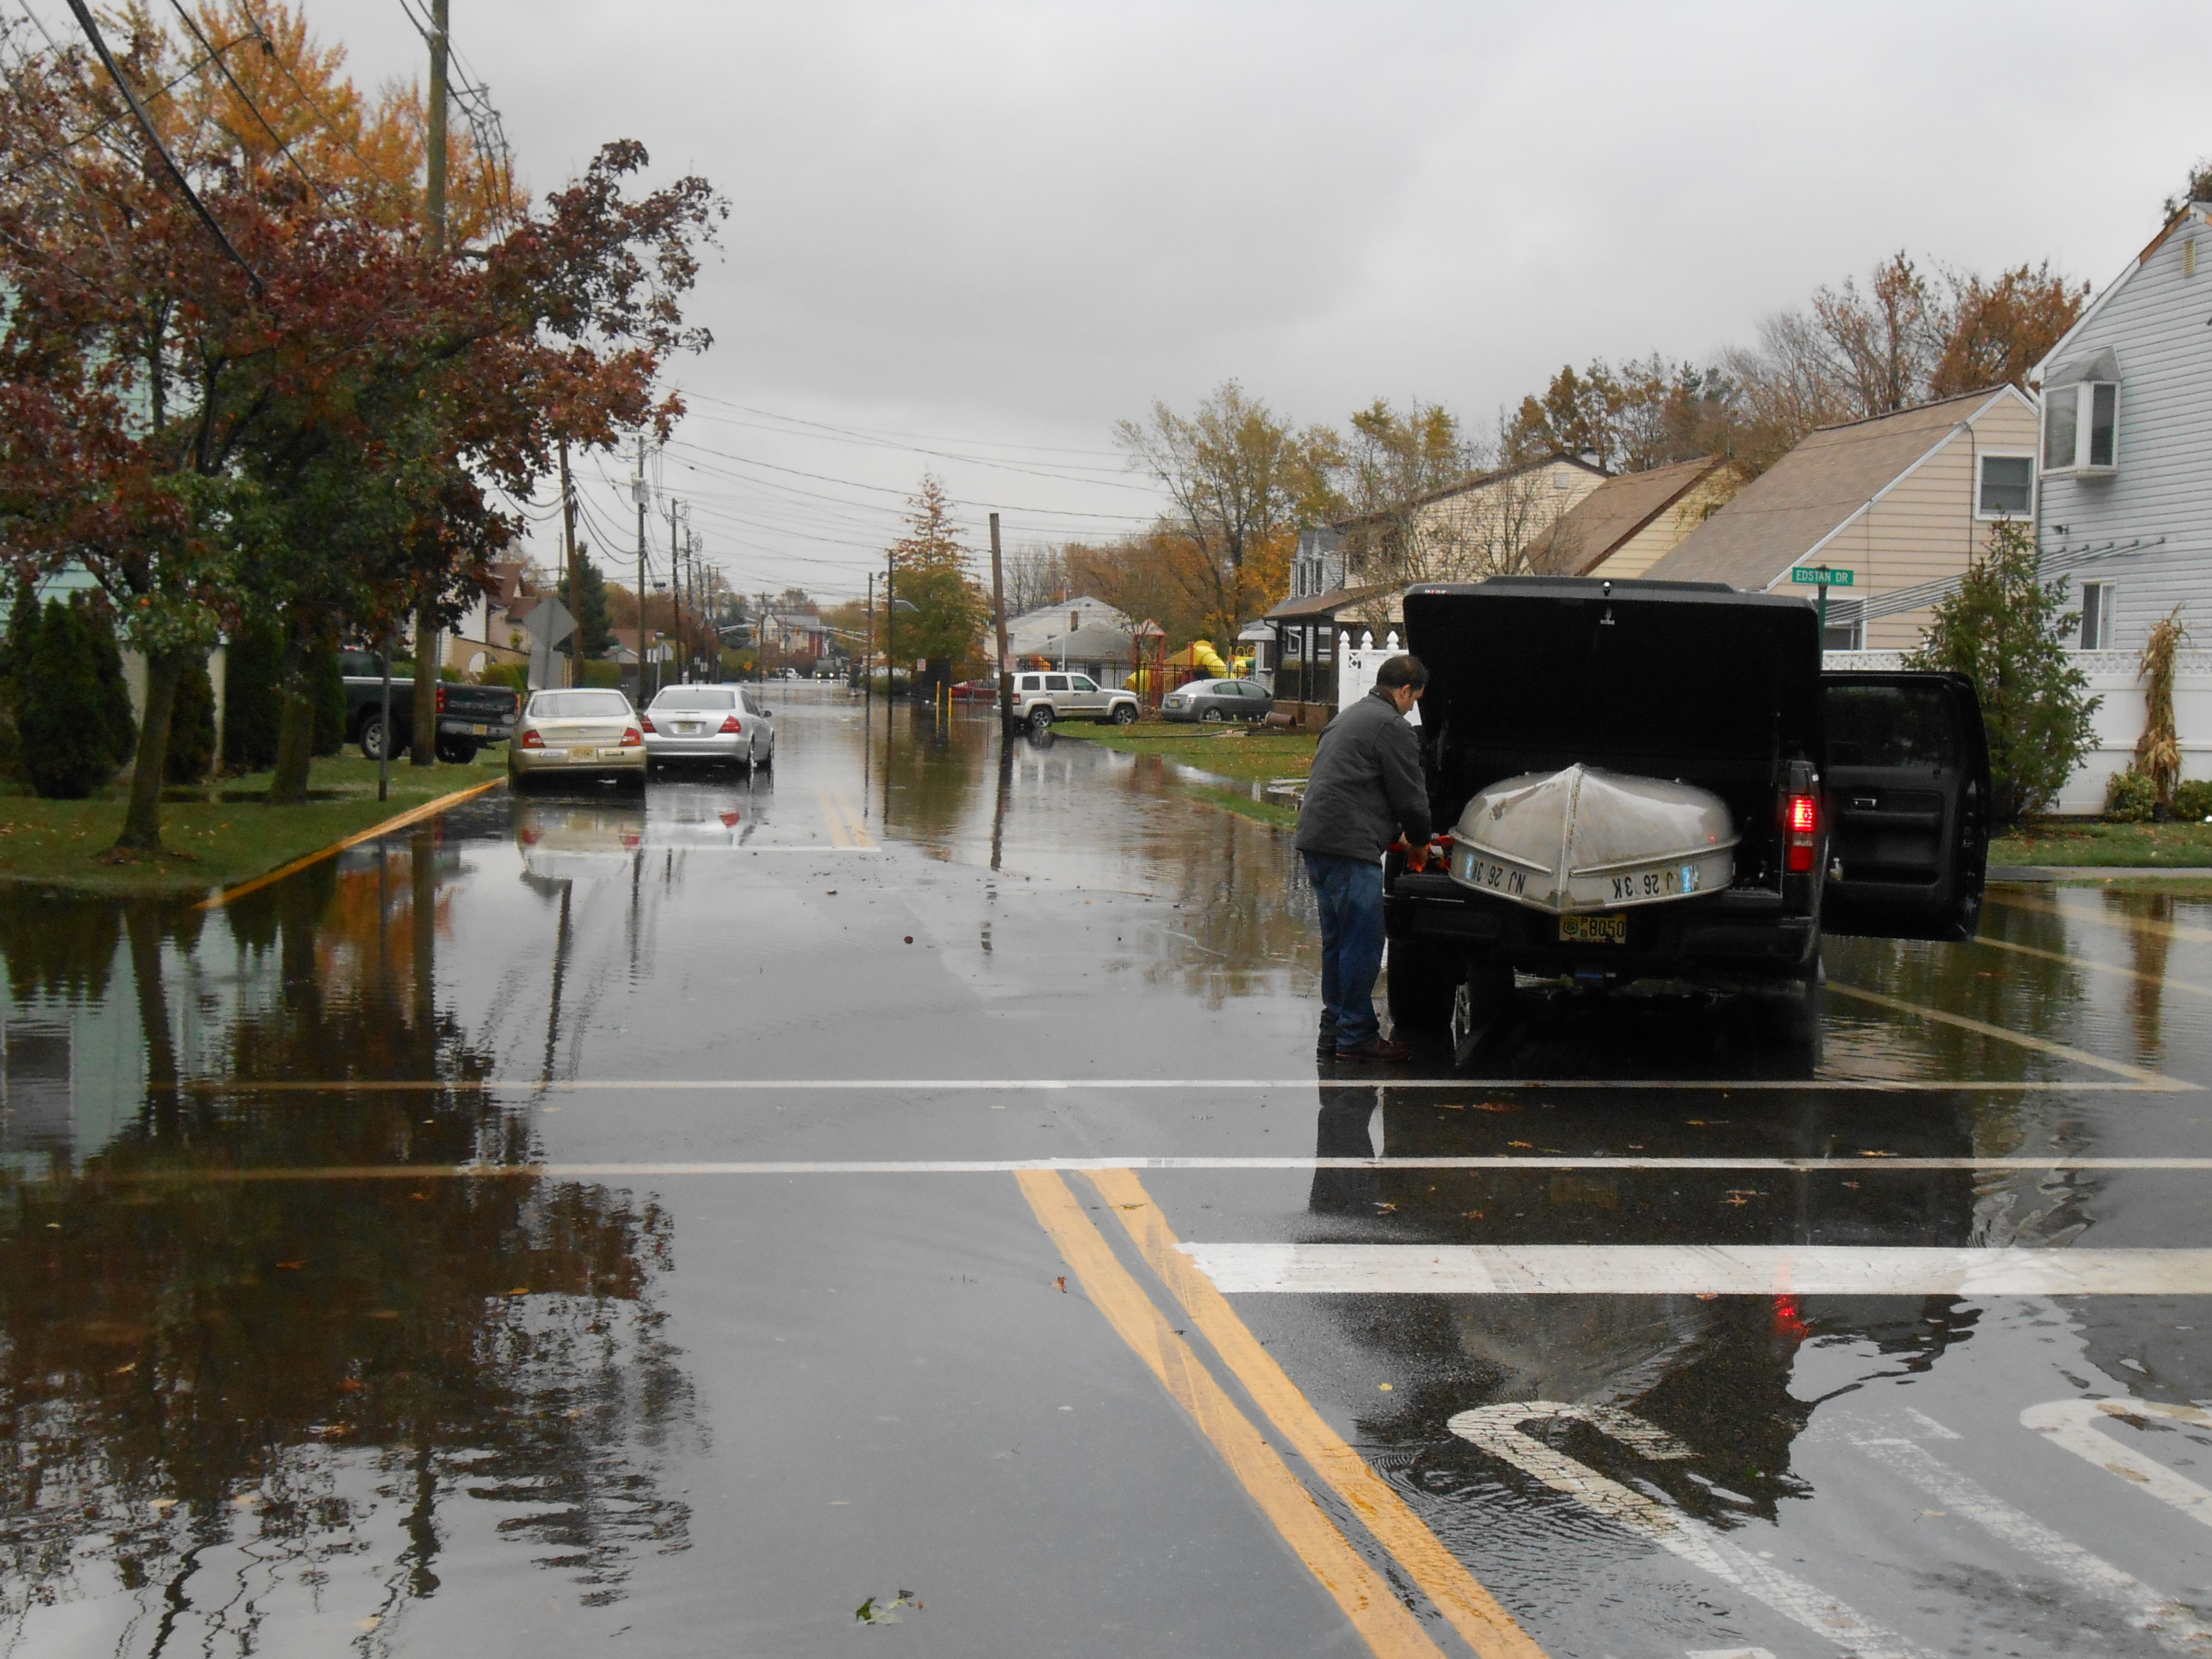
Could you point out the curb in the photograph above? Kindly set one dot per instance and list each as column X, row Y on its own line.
column 413, row 815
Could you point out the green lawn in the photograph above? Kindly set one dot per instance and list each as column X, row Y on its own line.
column 56, row 842
column 1228, row 752
column 2131, row 846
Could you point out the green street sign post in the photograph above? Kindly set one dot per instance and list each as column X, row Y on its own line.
column 1819, row 575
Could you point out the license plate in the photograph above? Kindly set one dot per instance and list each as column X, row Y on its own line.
column 583, row 754
column 1593, row 930
column 687, row 727
column 481, row 731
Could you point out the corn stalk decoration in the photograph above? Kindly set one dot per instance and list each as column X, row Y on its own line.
column 2158, row 751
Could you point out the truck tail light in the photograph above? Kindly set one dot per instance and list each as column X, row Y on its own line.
column 1800, row 823
column 441, row 699
column 632, row 737
column 730, row 727
column 646, row 720
column 530, row 739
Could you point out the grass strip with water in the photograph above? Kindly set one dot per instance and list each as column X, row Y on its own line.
column 228, row 833
column 2064, row 841
column 1226, row 752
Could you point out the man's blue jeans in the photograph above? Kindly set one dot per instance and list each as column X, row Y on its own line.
column 1350, row 893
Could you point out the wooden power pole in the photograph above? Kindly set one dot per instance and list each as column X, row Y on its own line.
column 998, row 608
column 423, row 746
column 575, row 571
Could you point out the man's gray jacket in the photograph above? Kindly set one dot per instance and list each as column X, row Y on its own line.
column 1366, row 784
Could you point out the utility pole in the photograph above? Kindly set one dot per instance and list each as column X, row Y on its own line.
column 676, row 594
column 424, row 751
column 868, row 659
column 890, row 635
column 637, row 493
column 575, row 571
column 998, row 606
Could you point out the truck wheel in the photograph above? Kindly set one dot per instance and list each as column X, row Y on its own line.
column 1422, row 980
column 372, row 741
column 1125, row 714
column 457, row 749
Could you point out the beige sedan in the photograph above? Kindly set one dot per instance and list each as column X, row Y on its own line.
column 583, row 734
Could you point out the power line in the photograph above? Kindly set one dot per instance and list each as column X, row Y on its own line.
column 885, row 432
column 145, row 123
column 329, row 126
column 888, row 490
column 98, row 127
column 253, row 108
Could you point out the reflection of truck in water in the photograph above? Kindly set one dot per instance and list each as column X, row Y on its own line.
column 469, row 716
column 1656, row 782
column 1714, row 1371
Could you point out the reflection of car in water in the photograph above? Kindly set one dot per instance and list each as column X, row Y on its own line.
column 1656, row 782
column 564, row 842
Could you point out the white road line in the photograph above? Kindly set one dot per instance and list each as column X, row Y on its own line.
column 1059, row 1085
column 1498, row 1429
column 1697, row 1270
column 2113, row 968
column 640, row 1169
column 2069, row 1423
column 2018, row 1039
column 2169, row 1621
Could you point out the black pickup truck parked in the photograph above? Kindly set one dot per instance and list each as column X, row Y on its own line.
column 469, row 716
column 1754, row 799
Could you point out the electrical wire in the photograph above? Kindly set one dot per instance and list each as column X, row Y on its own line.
column 84, row 18
column 299, row 86
column 885, row 432
column 98, row 127
column 888, row 490
column 275, row 137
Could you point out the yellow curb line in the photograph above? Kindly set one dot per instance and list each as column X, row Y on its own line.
column 429, row 809
column 1474, row 1612
column 1390, row 1631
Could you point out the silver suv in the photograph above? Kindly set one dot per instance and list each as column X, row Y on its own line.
column 1040, row 699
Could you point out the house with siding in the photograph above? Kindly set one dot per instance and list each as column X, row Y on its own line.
column 2125, row 511
column 1628, row 523
column 1902, row 504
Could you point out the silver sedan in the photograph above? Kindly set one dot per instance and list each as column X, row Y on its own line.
column 709, row 725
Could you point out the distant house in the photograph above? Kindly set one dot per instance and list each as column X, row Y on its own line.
column 2124, row 515
column 1105, row 653
column 1901, row 503
column 1627, row 523
column 1488, row 523
column 1027, row 634
column 792, row 634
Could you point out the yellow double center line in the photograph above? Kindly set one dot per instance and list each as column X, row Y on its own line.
column 1374, row 1608
column 848, row 827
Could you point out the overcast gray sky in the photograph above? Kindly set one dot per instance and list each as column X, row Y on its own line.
column 991, row 230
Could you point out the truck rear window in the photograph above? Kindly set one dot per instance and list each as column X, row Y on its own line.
column 1891, row 726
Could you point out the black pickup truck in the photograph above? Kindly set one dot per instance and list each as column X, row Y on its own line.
column 1695, row 799
column 469, row 716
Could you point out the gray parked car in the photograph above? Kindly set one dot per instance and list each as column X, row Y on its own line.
column 720, row 725
column 1218, row 700
column 1040, row 699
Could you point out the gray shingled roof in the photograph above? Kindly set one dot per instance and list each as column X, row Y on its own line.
column 1599, row 523
column 1783, row 513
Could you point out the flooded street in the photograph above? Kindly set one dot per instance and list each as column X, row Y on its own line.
column 588, row 1223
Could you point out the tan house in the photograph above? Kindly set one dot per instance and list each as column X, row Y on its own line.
column 1898, row 506
column 1489, row 525
column 1628, row 523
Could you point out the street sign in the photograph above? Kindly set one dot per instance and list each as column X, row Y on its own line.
column 1810, row 575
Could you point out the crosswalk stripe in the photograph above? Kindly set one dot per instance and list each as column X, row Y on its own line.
column 1697, row 1270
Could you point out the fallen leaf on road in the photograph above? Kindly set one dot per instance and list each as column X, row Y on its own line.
column 872, row 1612
column 1526, row 1145
column 1061, row 1284
column 909, row 939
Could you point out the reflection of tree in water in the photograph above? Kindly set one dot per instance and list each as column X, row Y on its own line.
column 57, row 944
column 1244, row 899
column 221, row 1385
column 2148, row 946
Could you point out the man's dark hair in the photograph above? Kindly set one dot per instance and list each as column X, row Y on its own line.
column 1401, row 670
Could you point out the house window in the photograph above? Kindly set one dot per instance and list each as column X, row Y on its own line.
column 1845, row 629
column 2007, row 486
column 2096, row 616
column 2082, row 427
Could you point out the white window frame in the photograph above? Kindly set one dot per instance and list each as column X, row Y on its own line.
column 2085, row 404
column 1990, row 514
column 2106, row 591
column 1849, row 615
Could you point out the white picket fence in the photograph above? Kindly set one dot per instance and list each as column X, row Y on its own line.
column 1356, row 667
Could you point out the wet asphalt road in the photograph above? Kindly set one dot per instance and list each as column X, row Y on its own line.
column 692, row 1294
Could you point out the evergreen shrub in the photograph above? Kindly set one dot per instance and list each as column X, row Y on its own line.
column 2129, row 796
column 326, row 686
column 2192, row 800
column 251, row 705
column 191, row 728
column 67, row 691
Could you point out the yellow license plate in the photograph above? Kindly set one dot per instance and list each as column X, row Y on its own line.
column 1593, row 930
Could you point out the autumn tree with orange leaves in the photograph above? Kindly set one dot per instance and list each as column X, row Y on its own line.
column 315, row 430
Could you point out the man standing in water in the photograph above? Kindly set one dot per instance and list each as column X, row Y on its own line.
column 1365, row 788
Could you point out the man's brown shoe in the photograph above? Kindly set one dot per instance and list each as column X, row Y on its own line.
column 1377, row 1048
